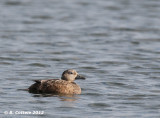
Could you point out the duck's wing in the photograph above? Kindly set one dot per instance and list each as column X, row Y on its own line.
column 41, row 86
column 54, row 86
column 60, row 87
column 40, row 81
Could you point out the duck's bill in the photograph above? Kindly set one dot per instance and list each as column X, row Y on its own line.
column 80, row 77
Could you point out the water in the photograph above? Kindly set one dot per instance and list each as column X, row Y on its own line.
column 114, row 44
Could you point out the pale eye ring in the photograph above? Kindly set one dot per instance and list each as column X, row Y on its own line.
column 70, row 73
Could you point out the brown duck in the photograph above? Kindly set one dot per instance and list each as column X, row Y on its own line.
column 65, row 85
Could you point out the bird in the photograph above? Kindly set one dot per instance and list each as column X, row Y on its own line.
column 65, row 85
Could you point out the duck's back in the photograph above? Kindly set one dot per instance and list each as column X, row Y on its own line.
column 55, row 86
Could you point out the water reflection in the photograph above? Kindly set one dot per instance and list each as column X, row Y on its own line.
column 62, row 97
column 69, row 98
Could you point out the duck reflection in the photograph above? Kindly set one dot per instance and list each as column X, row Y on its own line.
column 68, row 97
column 62, row 97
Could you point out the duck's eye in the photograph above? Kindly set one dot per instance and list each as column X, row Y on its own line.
column 70, row 73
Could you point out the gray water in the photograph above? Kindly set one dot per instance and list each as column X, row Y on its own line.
column 115, row 44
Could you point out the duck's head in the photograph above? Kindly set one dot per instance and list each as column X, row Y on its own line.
column 71, row 75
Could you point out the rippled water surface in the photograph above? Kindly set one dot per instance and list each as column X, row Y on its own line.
column 115, row 44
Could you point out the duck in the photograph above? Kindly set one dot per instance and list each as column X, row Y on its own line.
column 65, row 85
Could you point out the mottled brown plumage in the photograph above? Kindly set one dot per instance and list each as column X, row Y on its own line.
column 65, row 85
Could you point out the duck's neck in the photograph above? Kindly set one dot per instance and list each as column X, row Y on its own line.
column 62, row 78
